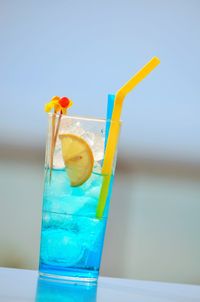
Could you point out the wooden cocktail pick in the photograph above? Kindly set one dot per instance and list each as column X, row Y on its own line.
column 60, row 106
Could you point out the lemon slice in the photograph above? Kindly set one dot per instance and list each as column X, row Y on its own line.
column 78, row 158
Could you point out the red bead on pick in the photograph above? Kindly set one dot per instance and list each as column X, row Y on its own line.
column 64, row 102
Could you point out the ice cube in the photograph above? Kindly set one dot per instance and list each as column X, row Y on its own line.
column 68, row 204
column 90, row 231
column 61, row 247
column 94, row 181
column 58, row 162
column 58, row 186
column 88, row 208
column 96, row 143
column 60, row 221
column 71, row 126
column 98, row 147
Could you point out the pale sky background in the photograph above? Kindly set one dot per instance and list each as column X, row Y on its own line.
column 87, row 49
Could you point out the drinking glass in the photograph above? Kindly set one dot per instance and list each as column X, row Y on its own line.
column 71, row 234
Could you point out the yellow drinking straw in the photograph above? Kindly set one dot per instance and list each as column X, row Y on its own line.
column 114, row 130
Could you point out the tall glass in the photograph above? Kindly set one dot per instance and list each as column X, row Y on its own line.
column 71, row 235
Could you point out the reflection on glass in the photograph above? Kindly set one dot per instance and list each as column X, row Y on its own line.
column 64, row 292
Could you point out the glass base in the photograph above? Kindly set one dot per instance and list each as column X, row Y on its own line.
column 69, row 275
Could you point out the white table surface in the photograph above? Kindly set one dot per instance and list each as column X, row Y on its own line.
column 23, row 285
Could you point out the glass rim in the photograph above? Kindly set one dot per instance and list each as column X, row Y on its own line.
column 86, row 118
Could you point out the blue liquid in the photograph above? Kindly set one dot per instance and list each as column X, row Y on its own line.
column 71, row 237
column 63, row 292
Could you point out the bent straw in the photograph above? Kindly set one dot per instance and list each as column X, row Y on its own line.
column 114, row 130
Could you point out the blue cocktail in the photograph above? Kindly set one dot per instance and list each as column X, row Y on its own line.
column 79, row 177
column 72, row 236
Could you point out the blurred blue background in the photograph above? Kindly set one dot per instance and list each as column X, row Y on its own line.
column 85, row 50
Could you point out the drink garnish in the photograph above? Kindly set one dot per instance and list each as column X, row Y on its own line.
column 78, row 158
column 59, row 105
